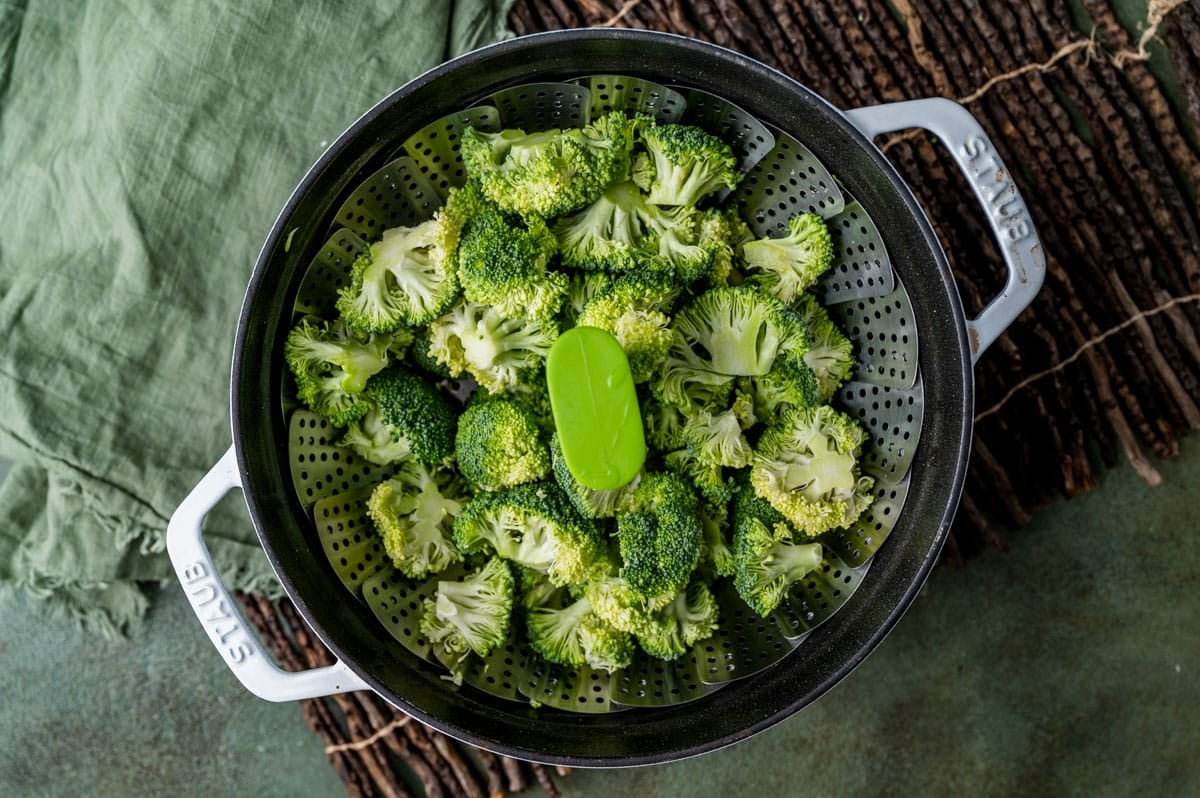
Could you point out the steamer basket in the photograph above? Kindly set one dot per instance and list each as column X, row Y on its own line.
column 890, row 289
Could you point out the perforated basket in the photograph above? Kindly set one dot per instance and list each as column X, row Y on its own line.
column 782, row 178
column 890, row 290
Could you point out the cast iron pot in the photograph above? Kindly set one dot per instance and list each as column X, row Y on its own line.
column 949, row 346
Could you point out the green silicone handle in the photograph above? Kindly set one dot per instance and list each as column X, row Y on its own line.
column 595, row 408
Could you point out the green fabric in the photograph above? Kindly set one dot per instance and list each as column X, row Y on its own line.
column 146, row 148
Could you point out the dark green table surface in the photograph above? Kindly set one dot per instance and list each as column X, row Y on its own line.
column 1067, row 666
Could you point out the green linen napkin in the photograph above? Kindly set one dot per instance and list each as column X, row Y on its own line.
column 145, row 149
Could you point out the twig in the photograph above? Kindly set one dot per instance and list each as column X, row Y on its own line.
column 1045, row 66
column 516, row 776
column 1155, row 14
column 1158, row 11
column 495, row 774
column 626, row 7
column 358, row 745
column 543, row 777
column 1084, row 347
column 462, row 771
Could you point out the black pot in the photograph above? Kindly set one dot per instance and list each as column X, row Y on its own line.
column 949, row 343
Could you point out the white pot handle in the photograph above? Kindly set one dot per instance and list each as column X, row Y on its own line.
column 993, row 185
column 218, row 612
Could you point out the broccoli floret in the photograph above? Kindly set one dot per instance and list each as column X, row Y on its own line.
column 707, row 476
column 767, row 561
column 405, row 278
column 410, row 415
column 534, row 525
column 721, row 334
column 575, row 636
column 498, row 445
column 551, row 172
column 806, row 466
column 414, row 513
column 659, row 538
column 332, row 366
column 831, row 356
column 634, row 308
column 589, row 502
column 421, row 358
column 615, row 601
column 679, row 248
column 723, row 232
column 531, row 393
column 664, row 424
column 643, row 334
column 370, row 437
column 608, row 234
column 718, row 552
column 718, row 438
column 787, row 266
column 735, row 332
column 611, row 140
column 534, row 588
column 502, row 262
column 690, row 617
column 683, row 164
column 494, row 349
column 468, row 616
column 583, row 287
column 789, row 383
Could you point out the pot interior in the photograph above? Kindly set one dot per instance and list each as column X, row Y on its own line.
column 741, row 707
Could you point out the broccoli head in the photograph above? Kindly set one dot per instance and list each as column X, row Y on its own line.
column 679, row 249
column 723, row 232
column 722, row 334
column 717, row 438
column 735, row 332
column 789, row 383
column 498, row 445
column 497, row 350
column 786, row 266
column 410, row 414
column 414, row 513
column 706, row 475
column 502, row 262
column 582, row 287
column 615, row 602
column 691, row 616
column 471, row 615
column 831, row 356
column 663, row 422
column 371, row 438
column 683, row 164
column 659, row 538
column 608, row 234
column 718, row 553
column 634, row 309
column 576, row 636
column 590, row 503
column 331, row 366
column 767, row 561
column 552, row 172
column 806, row 466
column 405, row 278
column 533, row 525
